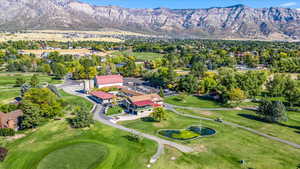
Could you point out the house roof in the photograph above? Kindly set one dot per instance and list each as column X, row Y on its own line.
column 102, row 95
column 143, row 103
column 5, row 117
column 109, row 79
column 152, row 97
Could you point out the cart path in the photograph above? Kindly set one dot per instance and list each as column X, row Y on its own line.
column 172, row 108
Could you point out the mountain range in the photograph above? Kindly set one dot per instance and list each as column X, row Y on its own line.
column 234, row 22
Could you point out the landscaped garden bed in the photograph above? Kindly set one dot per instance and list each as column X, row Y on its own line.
column 190, row 133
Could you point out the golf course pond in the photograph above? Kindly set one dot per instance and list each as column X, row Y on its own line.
column 192, row 132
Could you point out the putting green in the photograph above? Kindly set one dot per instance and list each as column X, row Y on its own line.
column 75, row 156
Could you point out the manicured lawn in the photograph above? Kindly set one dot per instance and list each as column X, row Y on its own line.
column 7, row 82
column 289, row 130
column 55, row 144
column 76, row 100
column 114, row 110
column 223, row 150
column 193, row 101
column 143, row 56
column 75, row 156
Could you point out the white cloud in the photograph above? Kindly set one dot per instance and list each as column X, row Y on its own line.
column 298, row 9
column 288, row 4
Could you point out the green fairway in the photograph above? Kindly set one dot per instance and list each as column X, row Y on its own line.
column 223, row 150
column 8, row 80
column 193, row 101
column 288, row 130
column 142, row 56
column 75, row 156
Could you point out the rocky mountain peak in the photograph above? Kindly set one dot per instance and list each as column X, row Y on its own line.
column 238, row 21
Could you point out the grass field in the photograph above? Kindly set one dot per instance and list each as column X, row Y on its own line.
column 142, row 56
column 7, row 82
column 193, row 101
column 223, row 150
column 55, row 144
column 114, row 110
column 75, row 156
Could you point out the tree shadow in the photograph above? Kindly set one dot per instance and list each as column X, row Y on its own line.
column 149, row 119
column 132, row 138
column 289, row 126
column 252, row 117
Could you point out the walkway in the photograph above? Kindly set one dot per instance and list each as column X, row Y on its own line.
column 172, row 108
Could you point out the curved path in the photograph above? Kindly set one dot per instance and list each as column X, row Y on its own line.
column 172, row 108
column 98, row 111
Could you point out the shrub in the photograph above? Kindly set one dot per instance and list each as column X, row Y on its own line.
column 3, row 153
column 272, row 111
column 83, row 119
column 7, row 132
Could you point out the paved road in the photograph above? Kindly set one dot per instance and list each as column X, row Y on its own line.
column 98, row 111
column 172, row 108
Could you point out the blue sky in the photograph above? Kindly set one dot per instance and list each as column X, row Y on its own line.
column 195, row 3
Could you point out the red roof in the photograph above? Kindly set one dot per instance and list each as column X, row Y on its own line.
column 102, row 95
column 143, row 103
column 157, row 105
column 109, row 79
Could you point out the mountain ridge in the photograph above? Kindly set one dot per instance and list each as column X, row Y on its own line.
column 238, row 21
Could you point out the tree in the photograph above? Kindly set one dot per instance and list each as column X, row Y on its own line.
column 20, row 81
column 276, row 86
column 32, row 115
column 49, row 105
column 188, row 84
column 251, row 82
column 272, row 111
column 198, row 69
column 159, row 114
column 207, row 84
column 59, row 70
column 47, row 69
column 292, row 92
column 237, row 95
column 34, row 81
column 82, row 119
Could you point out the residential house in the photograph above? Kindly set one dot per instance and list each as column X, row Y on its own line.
column 109, row 81
column 11, row 119
column 143, row 103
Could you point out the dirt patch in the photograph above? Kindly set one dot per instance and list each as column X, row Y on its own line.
column 160, row 124
column 199, row 148
column 206, row 113
column 18, row 136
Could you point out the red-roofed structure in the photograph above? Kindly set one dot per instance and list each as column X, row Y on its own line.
column 109, row 81
column 143, row 103
column 102, row 96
